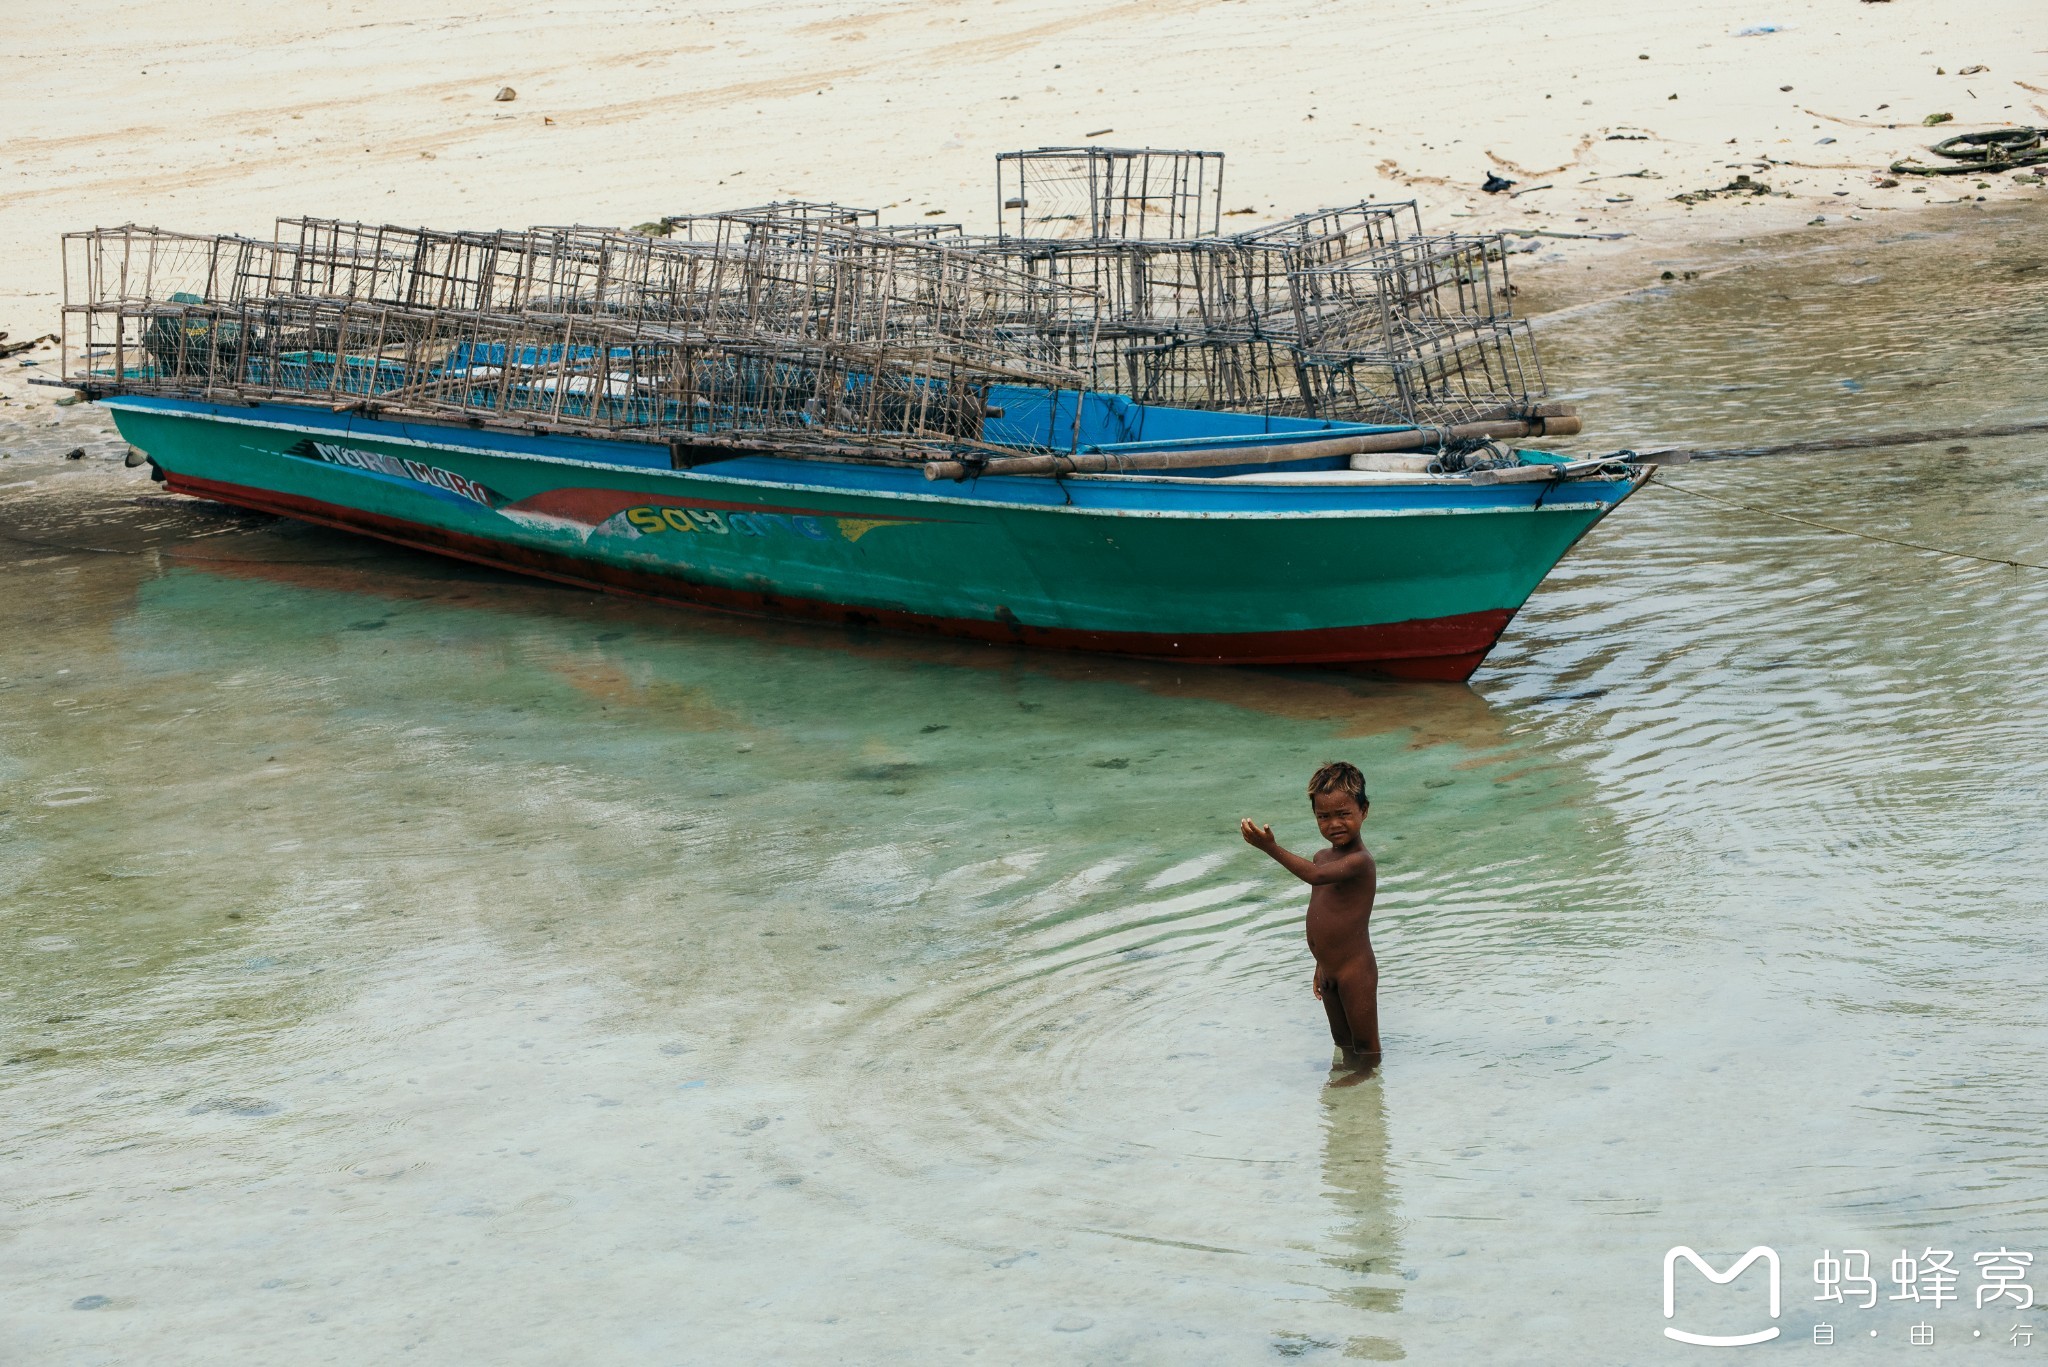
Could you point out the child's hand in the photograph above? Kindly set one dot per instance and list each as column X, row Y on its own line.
column 1315, row 983
column 1257, row 836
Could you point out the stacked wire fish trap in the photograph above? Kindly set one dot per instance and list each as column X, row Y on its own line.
column 804, row 332
column 811, row 328
column 1350, row 313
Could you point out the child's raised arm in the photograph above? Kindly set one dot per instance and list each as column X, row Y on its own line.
column 1337, row 870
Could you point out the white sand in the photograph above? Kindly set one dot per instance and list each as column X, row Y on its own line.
column 224, row 114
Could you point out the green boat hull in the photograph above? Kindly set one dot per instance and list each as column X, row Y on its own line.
column 1409, row 580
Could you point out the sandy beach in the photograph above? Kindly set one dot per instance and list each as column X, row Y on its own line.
column 224, row 116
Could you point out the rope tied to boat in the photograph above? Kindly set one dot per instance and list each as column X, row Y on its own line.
column 1461, row 456
column 1983, row 154
column 1926, row 436
column 1849, row 531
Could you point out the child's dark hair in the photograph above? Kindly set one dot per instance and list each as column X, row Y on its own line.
column 1339, row 777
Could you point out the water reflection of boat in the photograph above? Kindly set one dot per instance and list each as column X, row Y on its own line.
column 353, row 580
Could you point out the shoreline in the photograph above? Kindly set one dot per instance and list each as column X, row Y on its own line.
column 1549, row 291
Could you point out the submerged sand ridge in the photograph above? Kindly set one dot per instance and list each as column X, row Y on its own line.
column 224, row 116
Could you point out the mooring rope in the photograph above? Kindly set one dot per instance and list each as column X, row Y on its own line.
column 1865, row 443
column 1848, row 531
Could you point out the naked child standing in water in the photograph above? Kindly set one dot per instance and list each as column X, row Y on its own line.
column 1344, row 879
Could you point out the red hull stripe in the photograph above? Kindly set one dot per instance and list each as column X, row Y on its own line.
column 593, row 506
column 1446, row 648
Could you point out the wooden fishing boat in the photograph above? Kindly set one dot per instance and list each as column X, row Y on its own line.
column 1277, row 447
column 1286, row 562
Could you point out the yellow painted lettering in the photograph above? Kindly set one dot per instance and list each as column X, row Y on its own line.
column 854, row 528
column 646, row 519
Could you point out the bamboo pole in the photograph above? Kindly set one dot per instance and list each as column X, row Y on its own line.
column 1114, row 462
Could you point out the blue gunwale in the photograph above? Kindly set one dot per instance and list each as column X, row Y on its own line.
column 1111, row 495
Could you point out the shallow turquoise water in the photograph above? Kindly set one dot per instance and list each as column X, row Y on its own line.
column 408, row 962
